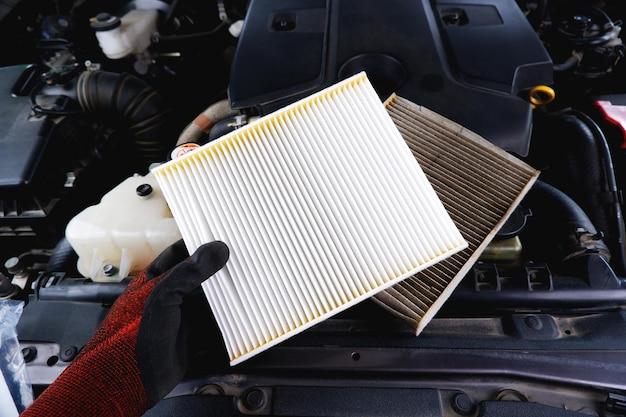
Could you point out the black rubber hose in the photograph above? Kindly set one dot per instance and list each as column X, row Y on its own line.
column 565, row 298
column 580, row 233
column 221, row 128
column 63, row 258
column 615, row 221
column 581, row 164
column 575, row 157
column 91, row 292
column 556, row 201
column 132, row 103
column 603, row 147
column 595, row 40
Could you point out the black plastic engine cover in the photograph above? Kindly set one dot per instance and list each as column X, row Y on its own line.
column 21, row 141
column 48, row 169
column 466, row 59
column 25, row 199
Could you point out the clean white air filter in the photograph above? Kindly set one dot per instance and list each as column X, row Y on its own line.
column 322, row 205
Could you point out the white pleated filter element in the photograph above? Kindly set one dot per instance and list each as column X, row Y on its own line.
column 322, row 205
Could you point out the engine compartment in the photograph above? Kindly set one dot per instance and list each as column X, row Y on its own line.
column 97, row 93
column 439, row 55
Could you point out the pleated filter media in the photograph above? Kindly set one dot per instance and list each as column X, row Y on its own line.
column 322, row 205
column 479, row 184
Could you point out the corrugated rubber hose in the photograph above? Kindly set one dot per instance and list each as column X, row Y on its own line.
column 132, row 103
column 63, row 257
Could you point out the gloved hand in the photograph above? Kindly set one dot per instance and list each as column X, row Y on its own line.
column 140, row 351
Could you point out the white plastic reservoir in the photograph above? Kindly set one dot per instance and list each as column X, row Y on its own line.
column 124, row 232
column 132, row 36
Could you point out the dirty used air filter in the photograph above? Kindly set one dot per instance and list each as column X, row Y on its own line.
column 479, row 184
column 322, row 205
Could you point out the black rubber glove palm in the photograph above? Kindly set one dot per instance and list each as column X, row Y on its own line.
column 142, row 348
column 175, row 313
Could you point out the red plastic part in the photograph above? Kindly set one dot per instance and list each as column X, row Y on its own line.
column 614, row 114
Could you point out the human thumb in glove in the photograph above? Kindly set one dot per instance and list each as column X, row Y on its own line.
column 140, row 352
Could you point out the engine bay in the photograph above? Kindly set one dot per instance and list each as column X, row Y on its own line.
column 94, row 95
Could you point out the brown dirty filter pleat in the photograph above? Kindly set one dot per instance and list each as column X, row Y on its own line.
column 478, row 183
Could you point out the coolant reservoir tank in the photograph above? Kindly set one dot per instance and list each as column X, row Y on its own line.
column 131, row 34
column 122, row 234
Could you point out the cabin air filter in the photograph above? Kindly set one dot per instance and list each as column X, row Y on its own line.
column 479, row 184
column 322, row 205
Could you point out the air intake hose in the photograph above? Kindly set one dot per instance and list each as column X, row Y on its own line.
column 131, row 102
column 581, row 235
column 63, row 257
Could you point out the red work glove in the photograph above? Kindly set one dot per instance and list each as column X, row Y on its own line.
column 140, row 351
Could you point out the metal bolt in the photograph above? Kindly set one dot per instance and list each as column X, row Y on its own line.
column 239, row 121
column 68, row 353
column 144, row 190
column 109, row 270
column 70, row 179
column 13, row 265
